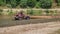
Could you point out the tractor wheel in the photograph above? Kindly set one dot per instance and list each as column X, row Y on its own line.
column 16, row 18
column 27, row 17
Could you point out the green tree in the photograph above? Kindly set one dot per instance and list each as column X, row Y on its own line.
column 1, row 3
column 37, row 0
column 18, row 2
column 31, row 3
column 23, row 3
column 37, row 5
column 46, row 3
column 13, row 3
column 58, row 2
column 7, row 1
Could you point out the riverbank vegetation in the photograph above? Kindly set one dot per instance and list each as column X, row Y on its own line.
column 28, row 3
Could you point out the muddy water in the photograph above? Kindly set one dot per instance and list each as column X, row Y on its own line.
column 6, row 21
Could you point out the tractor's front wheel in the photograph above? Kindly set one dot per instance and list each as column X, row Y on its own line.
column 27, row 17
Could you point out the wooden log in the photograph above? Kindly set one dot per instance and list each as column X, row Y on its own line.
column 39, row 17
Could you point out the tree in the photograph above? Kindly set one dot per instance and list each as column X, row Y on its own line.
column 37, row 0
column 13, row 3
column 1, row 3
column 46, row 3
column 31, row 3
column 23, row 3
column 7, row 1
column 37, row 5
column 18, row 2
column 58, row 2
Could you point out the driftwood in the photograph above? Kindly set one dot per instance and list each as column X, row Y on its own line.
column 44, row 17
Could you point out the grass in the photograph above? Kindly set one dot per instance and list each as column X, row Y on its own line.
column 34, row 12
column 31, row 12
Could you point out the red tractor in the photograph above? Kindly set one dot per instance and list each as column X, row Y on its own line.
column 21, row 15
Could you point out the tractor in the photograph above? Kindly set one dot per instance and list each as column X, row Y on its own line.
column 21, row 16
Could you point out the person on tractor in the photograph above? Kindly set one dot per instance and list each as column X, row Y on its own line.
column 21, row 15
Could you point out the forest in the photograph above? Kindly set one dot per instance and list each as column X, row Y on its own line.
column 28, row 3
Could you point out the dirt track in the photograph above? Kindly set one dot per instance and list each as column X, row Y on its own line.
column 41, row 28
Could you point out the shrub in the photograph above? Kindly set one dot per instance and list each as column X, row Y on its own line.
column 10, row 12
column 30, row 12
column 1, row 11
column 40, row 12
column 37, row 12
column 47, row 12
column 52, row 13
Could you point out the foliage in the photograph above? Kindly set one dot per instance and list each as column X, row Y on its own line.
column 30, row 12
column 18, row 2
column 1, row 11
column 31, row 3
column 46, row 3
column 13, row 3
column 34, row 12
column 26, row 3
column 52, row 13
column 40, row 12
column 37, row 5
column 1, row 3
column 23, row 3
column 10, row 12
column 37, row 0
column 58, row 2
column 47, row 12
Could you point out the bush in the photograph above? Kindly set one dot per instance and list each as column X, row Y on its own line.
column 34, row 12
column 52, row 13
column 30, row 12
column 47, row 12
column 10, row 12
column 1, row 11
column 46, row 3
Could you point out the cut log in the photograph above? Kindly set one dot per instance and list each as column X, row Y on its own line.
column 38, row 17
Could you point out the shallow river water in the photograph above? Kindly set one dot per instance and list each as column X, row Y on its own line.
column 9, row 21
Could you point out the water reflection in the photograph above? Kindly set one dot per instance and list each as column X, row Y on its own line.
column 6, row 21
